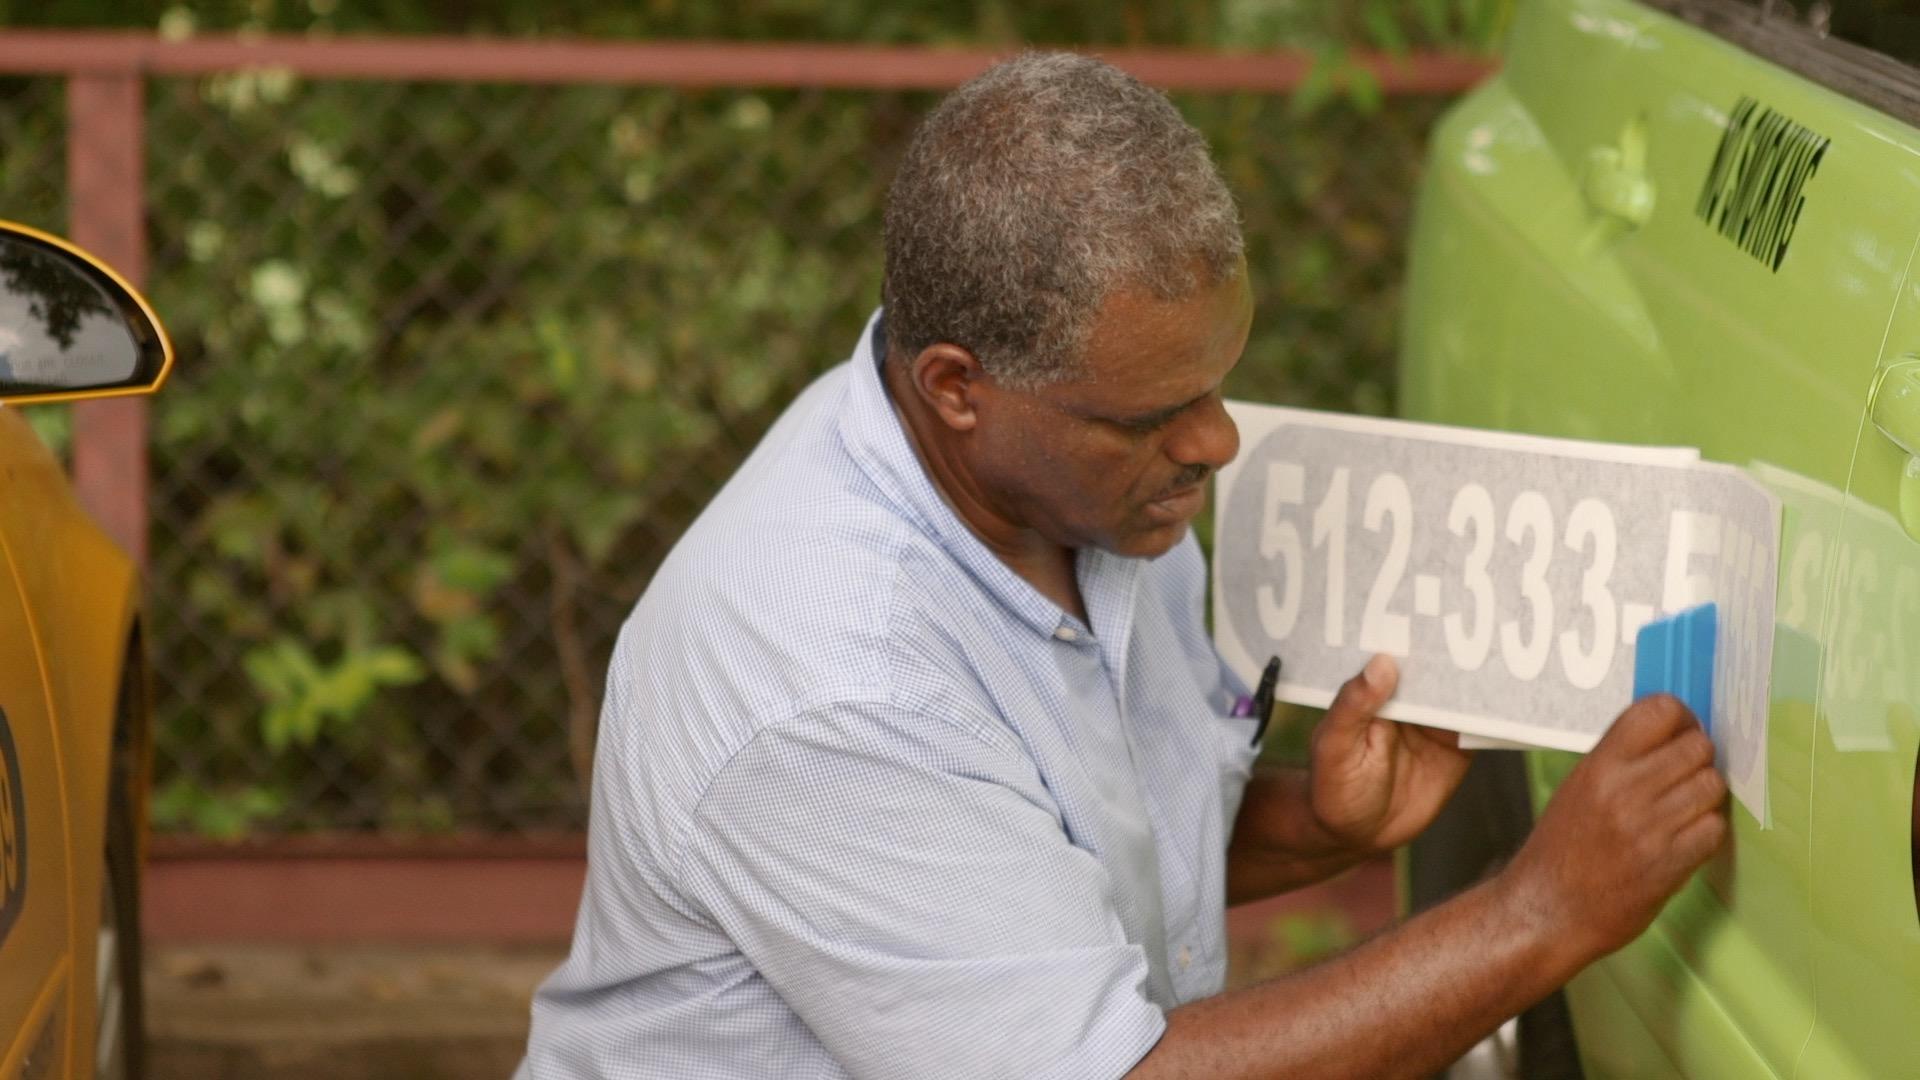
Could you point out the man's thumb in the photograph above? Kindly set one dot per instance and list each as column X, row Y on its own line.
column 1361, row 696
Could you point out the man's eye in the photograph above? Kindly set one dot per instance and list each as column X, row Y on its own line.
column 1143, row 425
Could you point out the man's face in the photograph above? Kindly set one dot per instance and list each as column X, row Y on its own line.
column 1118, row 458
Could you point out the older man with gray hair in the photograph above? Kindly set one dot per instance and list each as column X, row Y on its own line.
column 916, row 760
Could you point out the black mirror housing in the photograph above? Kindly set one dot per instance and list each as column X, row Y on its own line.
column 71, row 328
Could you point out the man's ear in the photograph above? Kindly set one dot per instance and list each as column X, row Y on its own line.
column 948, row 378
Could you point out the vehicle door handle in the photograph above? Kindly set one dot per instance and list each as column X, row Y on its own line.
column 1616, row 182
column 1895, row 406
column 1895, row 409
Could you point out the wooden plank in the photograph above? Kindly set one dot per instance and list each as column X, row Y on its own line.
column 344, row 845
column 314, row 899
column 496, row 890
column 678, row 64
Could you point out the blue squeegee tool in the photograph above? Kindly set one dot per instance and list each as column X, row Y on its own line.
column 1674, row 656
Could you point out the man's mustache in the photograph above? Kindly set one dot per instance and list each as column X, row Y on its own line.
column 1189, row 476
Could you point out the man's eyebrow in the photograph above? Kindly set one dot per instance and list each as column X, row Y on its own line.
column 1167, row 413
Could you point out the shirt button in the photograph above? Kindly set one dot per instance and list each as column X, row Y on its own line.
column 1186, row 958
column 1067, row 633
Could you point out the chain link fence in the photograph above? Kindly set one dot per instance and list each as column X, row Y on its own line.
column 459, row 363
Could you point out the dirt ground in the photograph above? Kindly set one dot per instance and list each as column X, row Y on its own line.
column 358, row 1012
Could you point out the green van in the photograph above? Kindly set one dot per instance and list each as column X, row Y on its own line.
column 1695, row 222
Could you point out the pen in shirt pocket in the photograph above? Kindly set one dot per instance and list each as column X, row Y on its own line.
column 1260, row 705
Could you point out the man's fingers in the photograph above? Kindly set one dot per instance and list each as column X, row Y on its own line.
column 1699, row 840
column 1692, row 796
column 1362, row 695
column 1686, row 753
column 1354, row 706
column 1647, row 723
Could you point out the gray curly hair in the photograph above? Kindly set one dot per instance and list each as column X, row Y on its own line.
column 1033, row 192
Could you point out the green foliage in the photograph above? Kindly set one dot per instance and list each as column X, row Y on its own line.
column 1311, row 936
column 1291, row 941
column 302, row 694
column 53, row 424
column 181, row 805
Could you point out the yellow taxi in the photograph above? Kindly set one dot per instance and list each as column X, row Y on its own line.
column 73, row 707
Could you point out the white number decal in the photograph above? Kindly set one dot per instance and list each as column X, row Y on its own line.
column 1330, row 527
column 1591, row 520
column 1802, row 577
column 1858, row 577
column 1382, row 630
column 1526, row 658
column 1735, row 572
column 1286, row 486
column 1472, row 506
column 1863, row 582
column 1689, row 534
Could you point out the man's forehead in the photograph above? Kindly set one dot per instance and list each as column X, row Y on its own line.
column 1145, row 351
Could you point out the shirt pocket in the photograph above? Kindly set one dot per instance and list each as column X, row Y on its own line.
column 1236, row 752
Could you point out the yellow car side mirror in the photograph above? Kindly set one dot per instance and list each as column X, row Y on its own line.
column 70, row 327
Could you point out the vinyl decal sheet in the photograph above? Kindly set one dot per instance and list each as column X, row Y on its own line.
column 1508, row 573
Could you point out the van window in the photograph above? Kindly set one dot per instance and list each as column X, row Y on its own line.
column 1868, row 50
column 1888, row 27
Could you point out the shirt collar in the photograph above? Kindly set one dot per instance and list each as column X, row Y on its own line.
column 871, row 430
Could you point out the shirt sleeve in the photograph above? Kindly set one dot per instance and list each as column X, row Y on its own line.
column 907, row 889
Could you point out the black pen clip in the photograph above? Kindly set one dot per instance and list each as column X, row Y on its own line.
column 1263, row 699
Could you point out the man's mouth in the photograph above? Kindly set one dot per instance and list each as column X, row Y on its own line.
column 1178, row 505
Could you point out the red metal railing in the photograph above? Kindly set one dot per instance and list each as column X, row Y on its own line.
column 684, row 64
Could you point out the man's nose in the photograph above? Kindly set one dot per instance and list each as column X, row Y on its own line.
column 1209, row 438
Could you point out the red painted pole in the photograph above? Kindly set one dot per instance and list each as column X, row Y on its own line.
column 106, row 191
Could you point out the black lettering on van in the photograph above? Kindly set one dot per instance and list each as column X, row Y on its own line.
column 1755, row 187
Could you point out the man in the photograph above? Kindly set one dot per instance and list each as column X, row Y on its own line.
column 916, row 759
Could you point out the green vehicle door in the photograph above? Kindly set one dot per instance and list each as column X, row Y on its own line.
column 1644, row 232
column 1866, row 940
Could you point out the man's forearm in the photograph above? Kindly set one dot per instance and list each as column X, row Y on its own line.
column 1404, row 1004
column 1278, row 843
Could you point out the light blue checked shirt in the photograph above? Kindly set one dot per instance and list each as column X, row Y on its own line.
column 866, row 804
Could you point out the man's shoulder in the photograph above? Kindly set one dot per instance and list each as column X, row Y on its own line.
column 801, row 585
column 784, row 610
column 821, row 638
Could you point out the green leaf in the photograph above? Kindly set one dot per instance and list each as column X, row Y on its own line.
column 1383, row 26
column 240, row 526
column 1318, row 85
column 393, row 666
column 563, row 361
column 470, row 567
column 599, row 524
column 53, row 424
column 269, row 672
column 290, row 723
column 1363, row 89
column 224, row 814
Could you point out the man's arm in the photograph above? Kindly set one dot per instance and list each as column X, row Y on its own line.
column 1278, row 844
column 1623, row 833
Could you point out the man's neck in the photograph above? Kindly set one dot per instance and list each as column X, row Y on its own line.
column 1047, row 566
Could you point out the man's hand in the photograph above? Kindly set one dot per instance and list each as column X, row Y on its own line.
column 1637, row 816
column 1625, row 830
column 1377, row 783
